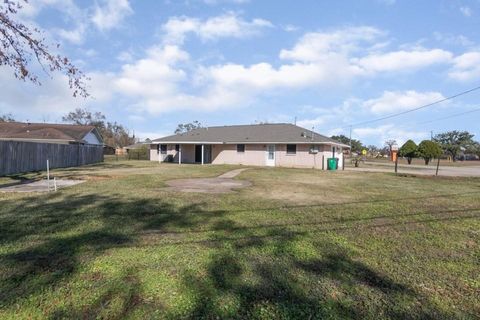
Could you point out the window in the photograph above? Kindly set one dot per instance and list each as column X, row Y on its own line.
column 177, row 147
column 291, row 149
column 163, row 149
column 240, row 148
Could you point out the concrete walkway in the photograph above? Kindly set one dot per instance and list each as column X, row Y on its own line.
column 231, row 174
column 39, row 186
column 221, row 184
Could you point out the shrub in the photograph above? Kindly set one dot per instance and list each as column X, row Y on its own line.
column 408, row 150
column 428, row 150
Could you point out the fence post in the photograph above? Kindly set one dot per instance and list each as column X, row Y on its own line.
column 438, row 165
column 48, row 175
column 396, row 165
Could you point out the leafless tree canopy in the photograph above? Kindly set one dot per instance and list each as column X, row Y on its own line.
column 19, row 44
column 113, row 133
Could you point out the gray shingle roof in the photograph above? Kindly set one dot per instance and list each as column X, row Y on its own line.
column 45, row 131
column 257, row 133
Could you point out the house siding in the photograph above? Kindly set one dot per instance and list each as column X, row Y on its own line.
column 254, row 154
column 91, row 138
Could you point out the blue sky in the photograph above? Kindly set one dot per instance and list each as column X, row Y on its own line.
column 154, row 64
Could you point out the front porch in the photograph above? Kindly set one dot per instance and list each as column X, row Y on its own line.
column 181, row 153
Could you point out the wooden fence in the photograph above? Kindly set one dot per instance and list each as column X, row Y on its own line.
column 19, row 156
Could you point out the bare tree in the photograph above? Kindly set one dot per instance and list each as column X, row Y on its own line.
column 186, row 127
column 113, row 133
column 390, row 143
column 7, row 118
column 19, row 43
column 84, row 117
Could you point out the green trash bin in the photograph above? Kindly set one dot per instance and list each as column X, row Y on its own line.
column 332, row 163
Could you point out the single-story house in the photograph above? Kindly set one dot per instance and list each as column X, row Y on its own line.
column 276, row 144
column 50, row 133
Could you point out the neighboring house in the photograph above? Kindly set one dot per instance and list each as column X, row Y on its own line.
column 279, row 144
column 50, row 133
column 28, row 147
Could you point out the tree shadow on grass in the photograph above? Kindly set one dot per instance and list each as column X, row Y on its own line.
column 40, row 266
column 52, row 237
column 289, row 288
column 250, row 273
column 119, row 299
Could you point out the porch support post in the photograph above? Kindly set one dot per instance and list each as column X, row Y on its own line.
column 180, row 154
column 203, row 150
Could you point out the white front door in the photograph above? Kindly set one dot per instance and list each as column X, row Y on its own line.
column 270, row 155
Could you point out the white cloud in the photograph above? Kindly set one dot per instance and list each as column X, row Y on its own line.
column 312, row 123
column 263, row 76
column 326, row 117
column 74, row 16
column 387, row 132
column 154, row 75
column 291, row 28
column 125, row 56
column 353, row 51
column 228, row 25
column 111, row 14
column 166, row 79
column 466, row 11
column 75, row 36
column 466, row 67
column 107, row 16
column 30, row 102
column 455, row 40
column 396, row 101
column 403, row 60
column 319, row 46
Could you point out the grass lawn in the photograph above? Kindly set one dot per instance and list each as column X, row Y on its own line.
column 299, row 244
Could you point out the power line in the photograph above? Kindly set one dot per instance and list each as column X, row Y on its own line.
column 415, row 109
column 450, row 116
column 412, row 125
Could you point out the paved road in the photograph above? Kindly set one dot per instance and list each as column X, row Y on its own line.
column 467, row 171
